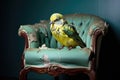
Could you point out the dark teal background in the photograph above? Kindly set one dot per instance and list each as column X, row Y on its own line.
column 16, row 12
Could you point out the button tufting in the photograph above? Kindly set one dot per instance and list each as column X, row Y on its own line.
column 80, row 24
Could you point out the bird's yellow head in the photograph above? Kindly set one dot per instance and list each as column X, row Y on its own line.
column 55, row 16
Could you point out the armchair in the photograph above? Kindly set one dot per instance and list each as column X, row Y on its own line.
column 41, row 53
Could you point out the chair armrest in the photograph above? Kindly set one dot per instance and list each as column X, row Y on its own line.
column 29, row 33
column 97, row 31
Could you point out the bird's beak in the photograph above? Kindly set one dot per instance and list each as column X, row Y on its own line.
column 51, row 22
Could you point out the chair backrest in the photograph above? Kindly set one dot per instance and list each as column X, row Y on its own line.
column 85, row 25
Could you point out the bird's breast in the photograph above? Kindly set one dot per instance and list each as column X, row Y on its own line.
column 60, row 36
column 64, row 39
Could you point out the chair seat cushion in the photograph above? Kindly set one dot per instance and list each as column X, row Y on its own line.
column 74, row 58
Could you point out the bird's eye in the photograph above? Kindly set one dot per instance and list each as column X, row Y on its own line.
column 57, row 19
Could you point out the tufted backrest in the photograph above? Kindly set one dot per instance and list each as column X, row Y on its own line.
column 85, row 25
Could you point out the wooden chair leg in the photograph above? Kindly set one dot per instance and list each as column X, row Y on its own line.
column 23, row 74
column 92, row 75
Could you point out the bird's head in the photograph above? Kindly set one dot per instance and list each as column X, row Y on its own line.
column 55, row 17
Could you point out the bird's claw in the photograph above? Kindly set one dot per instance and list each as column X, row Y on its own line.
column 61, row 48
column 69, row 48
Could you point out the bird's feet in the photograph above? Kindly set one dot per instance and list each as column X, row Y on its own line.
column 69, row 48
column 61, row 47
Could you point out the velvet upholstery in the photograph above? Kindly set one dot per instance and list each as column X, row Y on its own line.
column 41, row 49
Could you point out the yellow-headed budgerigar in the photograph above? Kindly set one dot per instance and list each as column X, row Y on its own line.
column 64, row 33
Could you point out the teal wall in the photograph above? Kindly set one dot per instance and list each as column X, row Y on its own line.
column 17, row 12
column 109, row 10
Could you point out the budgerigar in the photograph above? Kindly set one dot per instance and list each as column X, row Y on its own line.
column 64, row 33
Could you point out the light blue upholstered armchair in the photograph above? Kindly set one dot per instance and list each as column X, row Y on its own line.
column 41, row 53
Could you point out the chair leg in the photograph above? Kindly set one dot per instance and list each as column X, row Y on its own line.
column 23, row 74
column 92, row 75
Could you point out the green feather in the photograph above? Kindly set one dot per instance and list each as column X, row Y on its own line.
column 72, row 33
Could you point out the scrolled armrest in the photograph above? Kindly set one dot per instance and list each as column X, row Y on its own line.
column 98, row 30
column 30, row 35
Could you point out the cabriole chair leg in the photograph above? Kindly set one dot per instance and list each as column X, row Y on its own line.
column 23, row 74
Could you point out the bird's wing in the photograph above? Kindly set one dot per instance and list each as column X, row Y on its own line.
column 72, row 33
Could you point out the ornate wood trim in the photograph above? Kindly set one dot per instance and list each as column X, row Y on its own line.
column 56, row 70
column 25, row 36
column 96, row 34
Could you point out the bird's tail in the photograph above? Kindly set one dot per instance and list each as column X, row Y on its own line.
column 82, row 44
